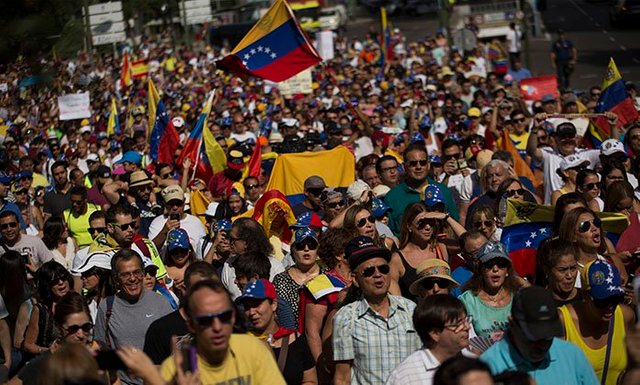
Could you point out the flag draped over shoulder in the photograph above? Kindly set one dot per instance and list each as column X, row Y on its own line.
column 113, row 125
column 613, row 98
column 164, row 137
column 195, row 147
column 275, row 48
column 152, row 103
column 125, row 73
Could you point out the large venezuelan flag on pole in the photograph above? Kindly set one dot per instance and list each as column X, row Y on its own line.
column 275, row 48
column 614, row 98
column 164, row 137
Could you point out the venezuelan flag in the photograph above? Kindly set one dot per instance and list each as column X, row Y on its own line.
column 614, row 98
column 211, row 153
column 113, row 125
column 275, row 48
column 385, row 39
column 193, row 148
column 125, row 73
column 152, row 103
column 164, row 137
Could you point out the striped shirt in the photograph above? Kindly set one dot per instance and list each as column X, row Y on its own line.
column 375, row 345
column 418, row 369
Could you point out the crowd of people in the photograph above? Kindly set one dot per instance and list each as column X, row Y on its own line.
column 398, row 278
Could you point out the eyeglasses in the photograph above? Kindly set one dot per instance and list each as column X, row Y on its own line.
column 205, row 321
column 56, row 279
column 371, row 270
column 481, row 224
column 451, row 157
column 595, row 94
column 387, row 169
column 430, row 283
column 126, row 226
column 10, row 225
column 591, row 186
column 500, row 262
column 335, row 205
column 460, row 325
column 585, row 226
column 422, row 223
column 137, row 274
column 73, row 329
column 93, row 230
column 510, row 193
column 624, row 208
column 251, row 187
column 310, row 243
column 363, row 221
column 414, row 163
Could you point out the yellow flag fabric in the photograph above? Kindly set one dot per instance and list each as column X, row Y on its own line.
column 613, row 75
column 336, row 167
column 154, row 99
column 198, row 204
column 112, row 124
column 215, row 153
column 520, row 212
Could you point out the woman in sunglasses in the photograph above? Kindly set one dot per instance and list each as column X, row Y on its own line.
column 557, row 270
column 598, row 324
column 568, row 171
column 289, row 347
column 489, row 292
column 53, row 281
column 96, row 280
column 360, row 219
column 73, row 323
column 419, row 231
column 588, row 184
column 304, row 251
column 484, row 219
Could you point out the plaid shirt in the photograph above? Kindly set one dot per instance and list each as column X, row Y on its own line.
column 375, row 344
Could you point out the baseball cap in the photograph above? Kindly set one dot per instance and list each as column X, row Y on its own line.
column 170, row 193
column 235, row 160
column 329, row 193
column 85, row 129
column 572, row 161
column 131, row 157
column 435, row 159
column 308, row 219
column 432, row 268
column 474, row 112
column 601, row 280
column 612, row 146
column 379, row 208
column 381, row 190
column 566, row 129
column 149, row 264
column 24, row 174
column 546, row 98
column 416, row 138
column 535, row 311
column 5, row 178
column 93, row 158
column 356, row 189
column 491, row 250
column 177, row 239
column 97, row 259
column 104, row 171
column 432, row 195
column 304, row 233
column 258, row 289
column 314, row 181
column 361, row 249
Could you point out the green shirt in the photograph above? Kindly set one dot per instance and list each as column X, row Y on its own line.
column 402, row 196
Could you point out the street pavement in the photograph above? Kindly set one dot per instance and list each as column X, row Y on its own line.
column 586, row 24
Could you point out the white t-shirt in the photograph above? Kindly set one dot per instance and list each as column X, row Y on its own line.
column 551, row 162
column 228, row 277
column 513, row 40
column 191, row 224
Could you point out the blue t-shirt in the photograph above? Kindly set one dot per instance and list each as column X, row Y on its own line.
column 566, row 364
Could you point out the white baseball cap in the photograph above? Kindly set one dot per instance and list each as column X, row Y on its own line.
column 572, row 161
column 97, row 259
column 611, row 146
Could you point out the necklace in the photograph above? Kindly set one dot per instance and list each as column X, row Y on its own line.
column 496, row 298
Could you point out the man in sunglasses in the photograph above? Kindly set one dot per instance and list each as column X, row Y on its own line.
column 252, row 190
column 5, row 205
column 222, row 357
column 313, row 187
column 530, row 344
column 416, row 166
column 361, row 329
column 77, row 217
column 123, row 319
column 33, row 250
column 97, row 227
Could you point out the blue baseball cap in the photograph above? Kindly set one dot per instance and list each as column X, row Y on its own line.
column 435, row 159
column 307, row 219
column 379, row 208
column 5, row 178
column 492, row 250
column 601, row 280
column 224, row 224
column 432, row 195
column 131, row 157
column 177, row 239
column 258, row 289
column 304, row 233
column 416, row 138
column 24, row 174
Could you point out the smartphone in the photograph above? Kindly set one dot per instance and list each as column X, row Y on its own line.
column 189, row 358
column 109, row 360
column 25, row 258
column 175, row 217
column 462, row 163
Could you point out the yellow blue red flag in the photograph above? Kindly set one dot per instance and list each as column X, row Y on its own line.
column 152, row 104
column 275, row 48
column 113, row 125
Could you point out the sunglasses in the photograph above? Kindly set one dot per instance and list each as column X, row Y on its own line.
column 371, row 270
column 429, row 284
column 608, row 302
column 335, row 205
column 451, row 157
column 205, row 321
column 308, row 242
column 315, row 191
column 174, row 203
column 511, row 193
column 414, row 163
column 251, row 187
column 585, row 226
column 481, row 224
column 10, row 225
column 521, row 120
column 73, row 329
column 126, row 226
column 146, row 187
column 88, row 273
column 56, row 279
column 500, row 262
column 422, row 223
column 363, row 221
column 591, row 186
column 93, row 230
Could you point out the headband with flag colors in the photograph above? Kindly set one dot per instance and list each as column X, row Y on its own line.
column 113, row 125
column 125, row 73
column 276, row 48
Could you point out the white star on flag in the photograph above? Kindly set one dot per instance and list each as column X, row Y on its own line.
column 246, row 56
column 253, row 51
column 533, row 235
column 267, row 50
column 542, row 231
column 244, row 63
column 527, row 243
column 273, row 55
column 609, row 280
column 260, row 49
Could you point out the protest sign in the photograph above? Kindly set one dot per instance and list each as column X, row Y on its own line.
column 74, row 106
column 535, row 88
column 299, row 84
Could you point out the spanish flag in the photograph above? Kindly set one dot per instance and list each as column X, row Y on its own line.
column 125, row 73
column 275, row 48
column 139, row 68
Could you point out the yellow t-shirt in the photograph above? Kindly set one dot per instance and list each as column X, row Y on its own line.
column 79, row 226
column 249, row 361
column 39, row 180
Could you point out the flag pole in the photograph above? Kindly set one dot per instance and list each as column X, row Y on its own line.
column 195, row 166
